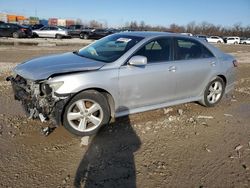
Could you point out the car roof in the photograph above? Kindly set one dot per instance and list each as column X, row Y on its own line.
column 150, row 34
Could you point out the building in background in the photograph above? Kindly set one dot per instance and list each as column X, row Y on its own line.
column 33, row 20
column 53, row 21
column 61, row 22
column 20, row 19
column 70, row 22
column 3, row 17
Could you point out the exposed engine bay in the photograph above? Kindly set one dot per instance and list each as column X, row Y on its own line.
column 38, row 99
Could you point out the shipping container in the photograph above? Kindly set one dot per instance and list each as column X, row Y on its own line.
column 20, row 18
column 70, row 22
column 44, row 22
column 61, row 22
column 11, row 18
column 3, row 17
column 53, row 21
column 33, row 18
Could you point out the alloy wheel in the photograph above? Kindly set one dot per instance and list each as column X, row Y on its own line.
column 85, row 115
column 215, row 92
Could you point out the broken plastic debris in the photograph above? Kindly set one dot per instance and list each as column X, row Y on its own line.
column 42, row 118
column 228, row 115
column 205, row 117
column 84, row 141
column 237, row 148
column 47, row 130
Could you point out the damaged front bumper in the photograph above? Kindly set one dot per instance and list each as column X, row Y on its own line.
column 38, row 99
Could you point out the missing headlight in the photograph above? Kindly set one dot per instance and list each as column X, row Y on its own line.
column 46, row 89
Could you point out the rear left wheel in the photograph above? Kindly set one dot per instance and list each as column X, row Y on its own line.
column 214, row 92
column 86, row 113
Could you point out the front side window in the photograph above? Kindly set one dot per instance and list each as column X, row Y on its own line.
column 189, row 49
column 109, row 48
column 156, row 51
column 45, row 28
column 3, row 26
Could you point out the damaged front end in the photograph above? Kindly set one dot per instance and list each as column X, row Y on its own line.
column 38, row 98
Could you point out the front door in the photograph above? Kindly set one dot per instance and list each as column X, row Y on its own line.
column 153, row 83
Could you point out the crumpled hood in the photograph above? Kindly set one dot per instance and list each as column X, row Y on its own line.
column 43, row 67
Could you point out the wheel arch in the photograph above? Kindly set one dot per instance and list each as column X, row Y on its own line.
column 105, row 93
column 223, row 78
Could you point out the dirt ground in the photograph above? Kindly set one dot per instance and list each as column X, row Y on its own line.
column 171, row 147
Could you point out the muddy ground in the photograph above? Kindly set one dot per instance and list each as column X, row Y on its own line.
column 171, row 147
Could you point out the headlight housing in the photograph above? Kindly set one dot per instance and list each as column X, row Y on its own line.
column 56, row 85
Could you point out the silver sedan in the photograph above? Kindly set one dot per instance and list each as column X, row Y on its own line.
column 122, row 74
column 51, row 32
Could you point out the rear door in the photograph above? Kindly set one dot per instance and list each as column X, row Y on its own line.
column 194, row 66
column 153, row 83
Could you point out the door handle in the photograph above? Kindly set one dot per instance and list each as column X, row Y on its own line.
column 213, row 63
column 172, row 69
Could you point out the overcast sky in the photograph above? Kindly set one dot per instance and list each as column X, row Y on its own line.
column 154, row 12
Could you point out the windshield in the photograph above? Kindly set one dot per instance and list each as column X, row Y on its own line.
column 109, row 48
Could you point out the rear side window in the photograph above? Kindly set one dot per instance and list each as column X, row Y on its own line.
column 186, row 49
column 157, row 50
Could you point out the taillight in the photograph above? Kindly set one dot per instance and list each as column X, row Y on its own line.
column 23, row 29
column 235, row 62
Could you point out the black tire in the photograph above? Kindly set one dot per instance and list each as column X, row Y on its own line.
column 71, row 107
column 16, row 35
column 219, row 42
column 84, row 36
column 34, row 35
column 205, row 101
column 235, row 42
column 58, row 36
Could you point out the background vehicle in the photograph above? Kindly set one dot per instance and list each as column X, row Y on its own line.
column 204, row 37
column 215, row 39
column 37, row 26
column 51, row 31
column 88, row 33
column 122, row 74
column 14, row 30
column 98, row 33
column 188, row 34
column 232, row 40
column 79, row 31
column 246, row 41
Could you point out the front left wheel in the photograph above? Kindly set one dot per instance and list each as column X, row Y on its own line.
column 85, row 114
column 16, row 35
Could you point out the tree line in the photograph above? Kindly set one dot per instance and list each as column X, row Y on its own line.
column 203, row 28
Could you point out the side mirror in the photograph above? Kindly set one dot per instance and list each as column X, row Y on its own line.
column 138, row 60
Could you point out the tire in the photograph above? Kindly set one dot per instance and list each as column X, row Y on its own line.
column 58, row 36
column 84, row 36
column 35, row 35
column 235, row 42
column 219, row 42
column 15, row 35
column 213, row 93
column 86, row 113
